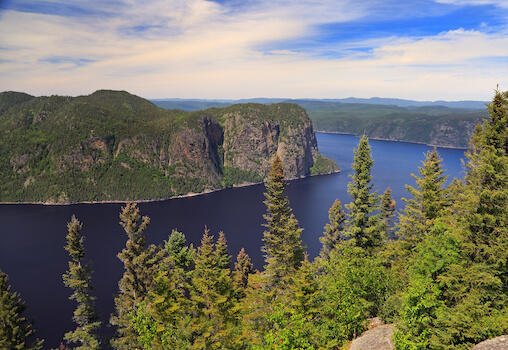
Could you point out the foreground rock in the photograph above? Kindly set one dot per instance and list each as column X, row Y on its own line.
column 379, row 338
column 499, row 343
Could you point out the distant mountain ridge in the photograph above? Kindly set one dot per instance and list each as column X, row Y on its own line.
column 373, row 100
column 114, row 146
column 439, row 123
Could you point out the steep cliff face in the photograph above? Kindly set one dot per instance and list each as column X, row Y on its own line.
column 116, row 146
column 252, row 138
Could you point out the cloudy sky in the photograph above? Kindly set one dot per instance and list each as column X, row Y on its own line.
column 230, row 49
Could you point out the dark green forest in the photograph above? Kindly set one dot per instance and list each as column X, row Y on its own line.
column 437, row 270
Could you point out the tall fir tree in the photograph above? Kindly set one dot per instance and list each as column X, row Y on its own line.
column 333, row 230
column 141, row 267
column 15, row 329
column 430, row 201
column 79, row 278
column 364, row 226
column 283, row 246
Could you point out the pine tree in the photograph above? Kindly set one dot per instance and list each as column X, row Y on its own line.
column 78, row 278
column 430, row 201
column 15, row 330
column 283, row 246
column 333, row 230
column 140, row 270
column 363, row 225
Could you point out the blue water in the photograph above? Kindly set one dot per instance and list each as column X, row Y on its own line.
column 32, row 237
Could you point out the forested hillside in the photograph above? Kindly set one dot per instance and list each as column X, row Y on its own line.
column 440, row 274
column 114, row 146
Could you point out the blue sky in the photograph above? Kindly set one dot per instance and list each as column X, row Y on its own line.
column 419, row 49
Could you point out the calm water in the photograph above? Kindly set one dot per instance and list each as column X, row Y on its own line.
column 32, row 236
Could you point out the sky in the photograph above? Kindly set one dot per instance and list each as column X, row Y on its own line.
column 423, row 50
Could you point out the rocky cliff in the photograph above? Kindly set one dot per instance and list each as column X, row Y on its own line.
column 112, row 145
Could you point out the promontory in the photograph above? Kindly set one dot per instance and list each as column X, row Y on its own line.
column 114, row 146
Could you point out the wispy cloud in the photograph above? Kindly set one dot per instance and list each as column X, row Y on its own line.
column 233, row 49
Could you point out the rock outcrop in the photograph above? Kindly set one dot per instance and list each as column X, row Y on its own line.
column 499, row 343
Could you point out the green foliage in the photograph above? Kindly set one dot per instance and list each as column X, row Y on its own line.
column 15, row 329
column 235, row 176
column 323, row 165
column 78, row 278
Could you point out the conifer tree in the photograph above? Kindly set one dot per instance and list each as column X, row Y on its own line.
column 486, row 200
column 364, row 227
column 387, row 210
column 430, row 201
column 15, row 329
column 333, row 230
column 216, row 310
column 78, row 278
column 283, row 246
column 243, row 268
column 140, row 269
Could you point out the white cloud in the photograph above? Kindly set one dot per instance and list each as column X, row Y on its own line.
column 199, row 48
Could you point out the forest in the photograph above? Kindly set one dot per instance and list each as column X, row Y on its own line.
column 437, row 269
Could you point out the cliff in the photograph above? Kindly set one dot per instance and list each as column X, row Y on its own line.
column 114, row 146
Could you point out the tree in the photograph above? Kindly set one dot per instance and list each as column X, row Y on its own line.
column 283, row 246
column 141, row 267
column 363, row 225
column 486, row 197
column 213, row 294
column 333, row 230
column 387, row 210
column 78, row 278
column 430, row 201
column 243, row 268
column 15, row 330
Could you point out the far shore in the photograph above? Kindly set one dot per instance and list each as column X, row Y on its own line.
column 190, row 194
column 382, row 139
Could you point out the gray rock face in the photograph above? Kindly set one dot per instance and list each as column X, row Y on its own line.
column 499, row 343
column 379, row 338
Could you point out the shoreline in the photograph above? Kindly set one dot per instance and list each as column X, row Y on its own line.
column 188, row 195
column 382, row 139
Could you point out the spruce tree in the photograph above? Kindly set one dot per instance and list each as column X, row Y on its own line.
column 213, row 294
column 283, row 246
column 387, row 210
column 333, row 230
column 430, row 201
column 78, row 278
column 364, row 227
column 243, row 268
column 486, row 199
column 15, row 329
column 141, row 267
